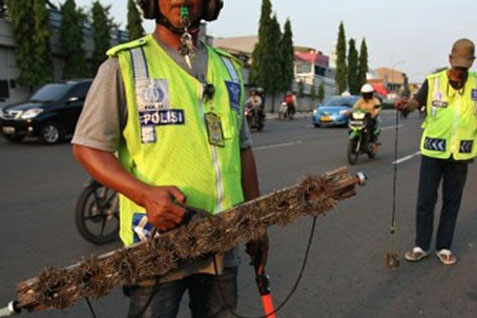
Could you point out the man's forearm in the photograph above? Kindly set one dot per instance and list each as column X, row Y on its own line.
column 250, row 185
column 105, row 168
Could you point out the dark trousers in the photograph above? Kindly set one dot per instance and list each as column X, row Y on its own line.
column 454, row 174
column 211, row 296
column 372, row 124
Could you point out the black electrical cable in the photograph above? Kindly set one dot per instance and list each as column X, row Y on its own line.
column 285, row 301
column 90, row 306
column 294, row 288
column 154, row 291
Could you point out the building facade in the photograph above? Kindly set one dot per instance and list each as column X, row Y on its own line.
column 311, row 66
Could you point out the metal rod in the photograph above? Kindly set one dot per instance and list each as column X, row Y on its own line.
column 10, row 310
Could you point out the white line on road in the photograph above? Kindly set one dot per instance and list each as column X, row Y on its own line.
column 404, row 159
column 286, row 144
column 392, row 127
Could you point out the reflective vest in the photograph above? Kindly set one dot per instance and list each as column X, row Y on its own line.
column 450, row 128
column 165, row 138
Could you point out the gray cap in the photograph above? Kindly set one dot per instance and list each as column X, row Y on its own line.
column 463, row 53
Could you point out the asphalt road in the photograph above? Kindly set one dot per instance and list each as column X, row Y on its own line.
column 345, row 275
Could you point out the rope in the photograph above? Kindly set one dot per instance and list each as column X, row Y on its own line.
column 294, row 288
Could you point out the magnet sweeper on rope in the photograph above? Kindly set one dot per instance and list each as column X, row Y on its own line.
column 203, row 235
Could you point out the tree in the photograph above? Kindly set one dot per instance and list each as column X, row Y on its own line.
column 71, row 40
column 275, row 36
column 321, row 92
column 363, row 64
column 341, row 68
column 301, row 88
column 134, row 26
column 353, row 82
column 313, row 92
column 29, row 20
column 262, row 60
column 102, row 25
column 288, row 56
column 41, row 39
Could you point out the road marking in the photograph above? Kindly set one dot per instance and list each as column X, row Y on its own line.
column 392, row 127
column 286, row 144
column 404, row 159
column 384, row 128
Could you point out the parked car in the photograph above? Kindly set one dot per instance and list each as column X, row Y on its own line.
column 333, row 112
column 50, row 114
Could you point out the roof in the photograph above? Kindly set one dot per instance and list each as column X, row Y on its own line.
column 243, row 44
column 390, row 75
column 309, row 57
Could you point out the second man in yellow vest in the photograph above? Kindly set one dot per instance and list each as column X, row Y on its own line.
column 448, row 145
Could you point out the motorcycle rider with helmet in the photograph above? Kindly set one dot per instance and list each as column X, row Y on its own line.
column 371, row 105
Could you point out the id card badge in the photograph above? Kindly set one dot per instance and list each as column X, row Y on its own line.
column 214, row 130
column 474, row 98
column 474, row 95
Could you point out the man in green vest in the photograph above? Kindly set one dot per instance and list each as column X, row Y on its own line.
column 448, row 145
column 172, row 109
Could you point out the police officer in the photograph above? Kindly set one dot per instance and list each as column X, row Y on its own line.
column 172, row 108
column 448, row 145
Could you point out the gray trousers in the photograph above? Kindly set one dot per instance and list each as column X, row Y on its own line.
column 453, row 174
column 211, row 296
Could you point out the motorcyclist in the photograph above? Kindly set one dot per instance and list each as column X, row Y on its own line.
column 290, row 101
column 255, row 103
column 372, row 106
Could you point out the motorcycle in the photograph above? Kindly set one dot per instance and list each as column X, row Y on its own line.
column 97, row 213
column 360, row 137
column 285, row 112
column 254, row 120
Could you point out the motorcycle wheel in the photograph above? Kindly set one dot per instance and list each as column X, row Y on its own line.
column 351, row 153
column 93, row 221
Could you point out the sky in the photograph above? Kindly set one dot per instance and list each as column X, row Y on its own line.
column 415, row 36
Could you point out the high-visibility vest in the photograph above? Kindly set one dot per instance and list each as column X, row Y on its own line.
column 450, row 128
column 166, row 141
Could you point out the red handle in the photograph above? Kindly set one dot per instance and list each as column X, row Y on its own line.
column 268, row 306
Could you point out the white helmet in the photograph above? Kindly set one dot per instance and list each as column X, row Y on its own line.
column 367, row 88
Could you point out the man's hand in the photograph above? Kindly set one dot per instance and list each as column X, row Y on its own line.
column 401, row 103
column 258, row 252
column 164, row 207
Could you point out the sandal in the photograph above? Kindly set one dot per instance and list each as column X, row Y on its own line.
column 415, row 255
column 446, row 257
